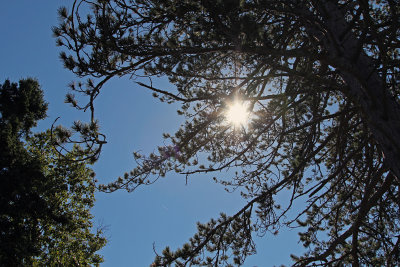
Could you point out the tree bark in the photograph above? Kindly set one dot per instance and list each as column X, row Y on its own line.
column 365, row 86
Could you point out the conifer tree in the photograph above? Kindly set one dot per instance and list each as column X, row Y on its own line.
column 320, row 81
column 45, row 199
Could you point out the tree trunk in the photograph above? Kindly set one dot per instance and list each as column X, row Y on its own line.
column 365, row 87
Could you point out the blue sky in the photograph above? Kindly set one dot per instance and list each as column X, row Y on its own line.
column 164, row 213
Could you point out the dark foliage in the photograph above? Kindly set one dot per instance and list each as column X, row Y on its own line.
column 321, row 80
column 44, row 199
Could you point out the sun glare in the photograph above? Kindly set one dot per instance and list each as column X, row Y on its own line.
column 237, row 114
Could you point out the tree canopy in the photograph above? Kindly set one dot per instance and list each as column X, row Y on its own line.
column 320, row 80
column 45, row 199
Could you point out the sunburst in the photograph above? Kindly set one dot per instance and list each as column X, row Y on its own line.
column 237, row 113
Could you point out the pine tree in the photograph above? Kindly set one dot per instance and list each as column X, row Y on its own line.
column 320, row 80
column 45, row 199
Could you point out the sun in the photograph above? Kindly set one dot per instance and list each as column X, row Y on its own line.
column 237, row 113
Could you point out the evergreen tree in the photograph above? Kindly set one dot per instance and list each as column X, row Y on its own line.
column 45, row 199
column 320, row 80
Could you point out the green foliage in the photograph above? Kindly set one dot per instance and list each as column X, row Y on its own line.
column 20, row 174
column 21, row 105
column 322, row 82
column 70, row 186
column 45, row 199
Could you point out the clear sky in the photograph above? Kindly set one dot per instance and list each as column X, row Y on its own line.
column 164, row 213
